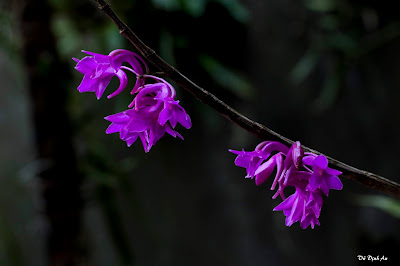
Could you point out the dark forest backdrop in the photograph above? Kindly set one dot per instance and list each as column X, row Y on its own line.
column 323, row 72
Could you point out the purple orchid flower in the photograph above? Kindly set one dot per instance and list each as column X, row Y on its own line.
column 265, row 170
column 154, row 112
column 323, row 177
column 249, row 160
column 253, row 159
column 292, row 170
column 98, row 70
column 291, row 166
column 302, row 206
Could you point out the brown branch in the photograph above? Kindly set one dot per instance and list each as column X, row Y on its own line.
column 370, row 180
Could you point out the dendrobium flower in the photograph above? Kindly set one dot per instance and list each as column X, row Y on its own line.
column 265, row 170
column 292, row 169
column 153, row 112
column 249, row 160
column 252, row 160
column 323, row 177
column 98, row 70
column 302, row 206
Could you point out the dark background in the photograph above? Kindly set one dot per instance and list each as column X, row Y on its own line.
column 323, row 72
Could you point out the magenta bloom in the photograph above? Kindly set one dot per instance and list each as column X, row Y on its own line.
column 302, row 206
column 154, row 113
column 323, row 177
column 98, row 70
column 292, row 170
column 253, row 159
column 249, row 160
column 265, row 170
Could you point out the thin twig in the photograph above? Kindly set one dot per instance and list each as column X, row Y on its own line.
column 368, row 179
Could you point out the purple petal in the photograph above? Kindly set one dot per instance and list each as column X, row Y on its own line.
column 302, row 175
column 308, row 160
column 288, row 174
column 139, row 123
column 147, row 103
column 324, row 188
column 129, row 57
column 87, row 84
column 315, row 181
column 295, row 212
column 331, row 171
column 279, row 169
column 151, row 88
column 165, row 114
column 243, row 161
column 156, row 133
column 100, row 58
column 113, row 128
column 182, row 117
column 145, row 143
column 118, row 118
column 178, row 135
column 317, row 198
column 334, row 182
column 248, row 161
column 265, row 170
column 306, row 222
column 102, row 85
column 173, row 121
column 237, row 152
column 262, row 145
column 297, row 154
column 139, row 83
column 172, row 132
column 286, row 204
column 124, row 134
column 86, row 65
column 131, row 140
column 271, row 146
column 321, row 161
column 123, row 81
column 91, row 53
column 309, row 220
column 289, row 158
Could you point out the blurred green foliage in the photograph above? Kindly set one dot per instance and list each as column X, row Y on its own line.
column 227, row 78
column 384, row 203
column 198, row 8
column 342, row 35
column 321, row 5
column 8, row 40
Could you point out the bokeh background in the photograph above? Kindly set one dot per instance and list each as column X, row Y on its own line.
column 323, row 72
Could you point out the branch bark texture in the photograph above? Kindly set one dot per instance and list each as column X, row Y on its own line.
column 368, row 179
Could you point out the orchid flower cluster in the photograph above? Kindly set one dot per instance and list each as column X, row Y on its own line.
column 152, row 113
column 307, row 172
